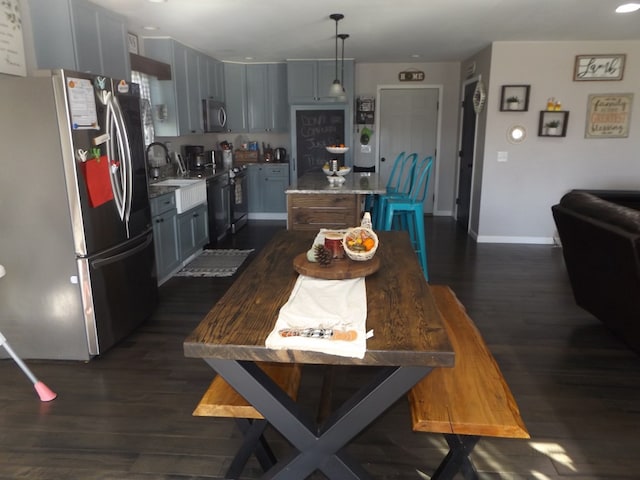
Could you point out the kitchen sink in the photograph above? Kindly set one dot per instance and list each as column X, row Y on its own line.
column 190, row 191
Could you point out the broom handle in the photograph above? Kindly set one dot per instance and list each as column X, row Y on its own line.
column 18, row 360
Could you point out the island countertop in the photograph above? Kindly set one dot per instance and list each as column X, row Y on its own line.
column 356, row 183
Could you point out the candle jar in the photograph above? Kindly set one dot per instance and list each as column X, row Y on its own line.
column 333, row 243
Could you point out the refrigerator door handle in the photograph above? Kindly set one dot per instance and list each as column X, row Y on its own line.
column 101, row 262
column 114, row 169
column 125, row 150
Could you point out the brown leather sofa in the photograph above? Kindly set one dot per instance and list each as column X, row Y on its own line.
column 600, row 235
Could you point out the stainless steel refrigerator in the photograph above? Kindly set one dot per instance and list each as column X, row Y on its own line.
column 75, row 222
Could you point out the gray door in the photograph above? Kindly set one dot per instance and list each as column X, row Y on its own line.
column 409, row 123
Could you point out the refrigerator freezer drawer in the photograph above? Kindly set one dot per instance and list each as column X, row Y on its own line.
column 119, row 291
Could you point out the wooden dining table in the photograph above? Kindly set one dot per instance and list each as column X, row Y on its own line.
column 409, row 340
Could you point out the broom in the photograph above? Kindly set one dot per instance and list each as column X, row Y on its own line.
column 44, row 392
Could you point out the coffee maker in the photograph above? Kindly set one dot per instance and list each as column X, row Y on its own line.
column 195, row 157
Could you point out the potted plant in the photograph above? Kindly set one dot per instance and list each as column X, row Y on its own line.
column 513, row 103
column 552, row 127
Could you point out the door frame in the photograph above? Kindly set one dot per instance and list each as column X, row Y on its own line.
column 378, row 112
column 466, row 82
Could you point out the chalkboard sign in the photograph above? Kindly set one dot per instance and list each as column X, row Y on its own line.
column 315, row 130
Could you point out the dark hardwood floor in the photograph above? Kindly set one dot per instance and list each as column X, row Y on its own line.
column 127, row 414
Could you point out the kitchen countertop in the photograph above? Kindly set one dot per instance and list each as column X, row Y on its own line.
column 356, row 183
column 159, row 190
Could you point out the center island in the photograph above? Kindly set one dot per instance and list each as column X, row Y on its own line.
column 312, row 203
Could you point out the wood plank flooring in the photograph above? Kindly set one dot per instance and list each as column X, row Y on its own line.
column 127, row 414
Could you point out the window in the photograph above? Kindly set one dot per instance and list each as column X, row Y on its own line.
column 142, row 79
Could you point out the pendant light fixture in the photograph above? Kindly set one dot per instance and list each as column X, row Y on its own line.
column 343, row 94
column 336, row 89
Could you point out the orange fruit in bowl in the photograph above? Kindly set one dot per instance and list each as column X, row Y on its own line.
column 368, row 243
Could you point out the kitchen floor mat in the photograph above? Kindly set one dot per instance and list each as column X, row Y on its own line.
column 215, row 263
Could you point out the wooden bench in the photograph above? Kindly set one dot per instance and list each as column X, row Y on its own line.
column 221, row 400
column 466, row 402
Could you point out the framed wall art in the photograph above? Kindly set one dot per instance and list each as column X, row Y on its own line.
column 599, row 67
column 553, row 123
column 608, row 115
column 132, row 43
column 514, row 98
column 12, row 59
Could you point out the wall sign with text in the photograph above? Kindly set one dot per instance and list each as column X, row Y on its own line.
column 609, row 115
column 599, row 67
column 411, row 76
column 11, row 42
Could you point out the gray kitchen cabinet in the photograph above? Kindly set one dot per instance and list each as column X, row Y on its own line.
column 193, row 230
column 309, row 81
column 178, row 102
column 267, row 183
column 79, row 35
column 235, row 88
column 266, row 97
column 215, row 79
column 165, row 234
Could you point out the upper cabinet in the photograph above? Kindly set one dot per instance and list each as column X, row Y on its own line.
column 177, row 103
column 255, row 96
column 235, row 88
column 267, row 97
column 309, row 81
column 81, row 36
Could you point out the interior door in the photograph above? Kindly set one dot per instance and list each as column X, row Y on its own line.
column 467, row 147
column 408, row 123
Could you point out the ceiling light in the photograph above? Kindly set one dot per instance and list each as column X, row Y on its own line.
column 415, row 55
column 156, row 1
column 150, row 27
column 336, row 89
column 628, row 8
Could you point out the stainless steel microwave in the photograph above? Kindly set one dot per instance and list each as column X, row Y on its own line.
column 214, row 115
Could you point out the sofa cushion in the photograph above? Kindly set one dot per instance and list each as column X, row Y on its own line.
column 589, row 205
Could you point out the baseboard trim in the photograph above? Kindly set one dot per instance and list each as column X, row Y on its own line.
column 521, row 240
column 268, row 216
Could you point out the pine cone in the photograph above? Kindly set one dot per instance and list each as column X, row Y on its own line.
column 323, row 255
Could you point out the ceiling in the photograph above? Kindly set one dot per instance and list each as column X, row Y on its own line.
column 380, row 30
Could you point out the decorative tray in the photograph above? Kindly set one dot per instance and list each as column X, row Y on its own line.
column 337, row 269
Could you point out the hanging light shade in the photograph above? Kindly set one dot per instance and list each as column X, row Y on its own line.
column 336, row 89
column 343, row 94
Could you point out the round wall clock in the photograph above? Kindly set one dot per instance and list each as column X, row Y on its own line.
column 479, row 97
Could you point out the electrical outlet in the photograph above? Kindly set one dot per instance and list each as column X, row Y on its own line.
column 503, row 156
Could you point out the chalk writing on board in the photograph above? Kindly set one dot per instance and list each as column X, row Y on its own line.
column 315, row 130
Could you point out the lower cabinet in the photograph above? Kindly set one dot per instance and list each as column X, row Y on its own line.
column 176, row 237
column 311, row 211
column 193, row 230
column 267, row 183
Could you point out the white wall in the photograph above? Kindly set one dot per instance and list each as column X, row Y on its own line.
column 447, row 75
column 515, row 197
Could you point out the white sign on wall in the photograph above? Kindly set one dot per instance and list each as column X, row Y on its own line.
column 11, row 42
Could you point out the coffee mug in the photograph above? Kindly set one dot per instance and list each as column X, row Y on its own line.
column 333, row 243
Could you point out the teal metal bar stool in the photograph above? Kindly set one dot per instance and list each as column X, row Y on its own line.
column 398, row 185
column 409, row 212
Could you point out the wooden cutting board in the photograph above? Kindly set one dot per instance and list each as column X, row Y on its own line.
column 337, row 269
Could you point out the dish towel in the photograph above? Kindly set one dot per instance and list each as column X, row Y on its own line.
column 315, row 303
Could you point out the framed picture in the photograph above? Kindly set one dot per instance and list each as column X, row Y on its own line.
column 553, row 123
column 599, row 67
column 608, row 115
column 514, row 98
column 132, row 43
